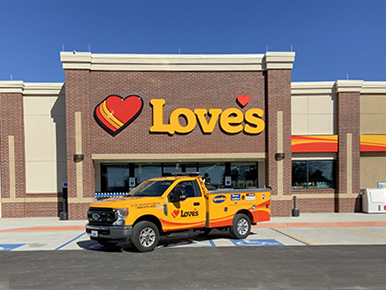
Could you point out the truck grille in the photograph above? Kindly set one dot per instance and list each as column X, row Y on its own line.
column 101, row 216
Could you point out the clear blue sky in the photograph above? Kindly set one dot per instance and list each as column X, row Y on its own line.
column 332, row 39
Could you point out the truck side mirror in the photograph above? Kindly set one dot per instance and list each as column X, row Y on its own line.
column 179, row 194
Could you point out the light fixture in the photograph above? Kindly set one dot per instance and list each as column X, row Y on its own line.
column 78, row 157
column 279, row 156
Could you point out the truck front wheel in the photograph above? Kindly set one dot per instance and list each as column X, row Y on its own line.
column 241, row 227
column 145, row 236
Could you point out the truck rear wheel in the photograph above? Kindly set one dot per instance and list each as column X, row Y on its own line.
column 145, row 236
column 241, row 227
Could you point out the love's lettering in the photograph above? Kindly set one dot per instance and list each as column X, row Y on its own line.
column 230, row 120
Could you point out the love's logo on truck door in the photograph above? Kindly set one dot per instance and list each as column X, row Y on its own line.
column 176, row 213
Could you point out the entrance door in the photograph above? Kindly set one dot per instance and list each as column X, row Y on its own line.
column 188, row 213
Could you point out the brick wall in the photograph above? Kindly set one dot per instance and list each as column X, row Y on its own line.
column 12, row 124
column 85, row 90
column 270, row 91
column 348, row 119
column 278, row 98
column 180, row 90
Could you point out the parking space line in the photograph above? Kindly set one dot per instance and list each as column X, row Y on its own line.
column 212, row 244
column 292, row 237
column 358, row 231
column 65, row 244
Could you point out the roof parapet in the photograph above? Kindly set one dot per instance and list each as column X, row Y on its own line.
column 177, row 62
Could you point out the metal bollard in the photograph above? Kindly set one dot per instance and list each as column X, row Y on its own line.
column 295, row 211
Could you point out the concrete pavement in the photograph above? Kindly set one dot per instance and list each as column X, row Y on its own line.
column 31, row 234
column 304, row 220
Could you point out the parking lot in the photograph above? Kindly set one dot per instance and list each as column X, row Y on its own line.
column 49, row 234
column 314, row 251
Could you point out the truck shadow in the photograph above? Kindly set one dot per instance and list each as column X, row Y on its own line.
column 193, row 240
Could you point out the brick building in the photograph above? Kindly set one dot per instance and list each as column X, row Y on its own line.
column 120, row 119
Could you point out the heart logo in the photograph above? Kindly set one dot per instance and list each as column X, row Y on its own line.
column 175, row 213
column 243, row 100
column 115, row 113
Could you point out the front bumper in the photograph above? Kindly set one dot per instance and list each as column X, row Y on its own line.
column 109, row 232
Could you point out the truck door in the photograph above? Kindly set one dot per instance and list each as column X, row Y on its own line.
column 187, row 213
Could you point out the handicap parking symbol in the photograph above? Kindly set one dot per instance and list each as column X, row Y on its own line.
column 9, row 247
column 256, row 243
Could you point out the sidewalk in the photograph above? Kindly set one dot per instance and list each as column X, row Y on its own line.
column 47, row 224
column 40, row 224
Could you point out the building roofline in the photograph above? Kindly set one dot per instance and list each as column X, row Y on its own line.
column 177, row 62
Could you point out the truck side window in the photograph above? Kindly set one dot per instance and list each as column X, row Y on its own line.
column 196, row 189
column 190, row 187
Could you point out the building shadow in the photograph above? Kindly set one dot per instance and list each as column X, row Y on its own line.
column 58, row 114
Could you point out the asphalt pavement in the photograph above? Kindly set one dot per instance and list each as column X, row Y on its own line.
column 313, row 251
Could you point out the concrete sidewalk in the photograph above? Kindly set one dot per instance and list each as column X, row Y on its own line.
column 52, row 234
column 304, row 220
column 38, row 224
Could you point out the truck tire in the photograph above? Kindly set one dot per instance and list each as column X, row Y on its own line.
column 241, row 227
column 145, row 236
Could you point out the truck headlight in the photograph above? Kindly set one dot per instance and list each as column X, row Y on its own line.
column 121, row 216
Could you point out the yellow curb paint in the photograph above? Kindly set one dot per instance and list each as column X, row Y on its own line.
column 358, row 231
column 300, row 240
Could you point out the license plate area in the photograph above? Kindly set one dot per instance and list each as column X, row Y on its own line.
column 94, row 233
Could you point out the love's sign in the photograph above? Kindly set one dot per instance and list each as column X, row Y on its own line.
column 231, row 120
column 115, row 113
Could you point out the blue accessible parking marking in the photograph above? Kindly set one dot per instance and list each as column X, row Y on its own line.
column 256, row 243
column 58, row 248
column 9, row 247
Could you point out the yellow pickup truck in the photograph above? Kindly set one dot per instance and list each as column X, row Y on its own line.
column 175, row 204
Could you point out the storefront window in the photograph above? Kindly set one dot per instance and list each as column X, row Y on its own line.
column 115, row 178
column 244, row 175
column 213, row 173
column 146, row 171
column 313, row 174
column 168, row 169
column 123, row 177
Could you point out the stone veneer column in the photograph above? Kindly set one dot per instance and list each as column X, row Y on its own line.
column 348, row 159
column 278, row 130
column 13, row 179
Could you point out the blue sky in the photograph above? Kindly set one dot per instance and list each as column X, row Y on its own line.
column 332, row 39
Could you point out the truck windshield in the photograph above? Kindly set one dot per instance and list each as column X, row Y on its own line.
column 151, row 188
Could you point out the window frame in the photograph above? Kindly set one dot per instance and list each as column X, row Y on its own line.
column 308, row 180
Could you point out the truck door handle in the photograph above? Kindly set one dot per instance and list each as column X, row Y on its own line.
column 196, row 203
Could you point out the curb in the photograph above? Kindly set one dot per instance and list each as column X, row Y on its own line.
column 45, row 229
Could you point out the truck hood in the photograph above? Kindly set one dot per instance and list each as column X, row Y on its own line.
column 128, row 201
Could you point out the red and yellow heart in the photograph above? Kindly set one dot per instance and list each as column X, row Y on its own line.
column 115, row 113
column 175, row 213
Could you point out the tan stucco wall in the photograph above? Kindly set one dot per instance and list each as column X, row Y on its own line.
column 45, row 143
column 373, row 114
column 372, row 169
column 313, row 114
